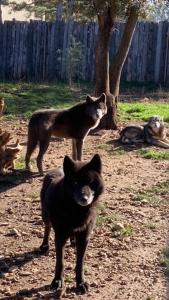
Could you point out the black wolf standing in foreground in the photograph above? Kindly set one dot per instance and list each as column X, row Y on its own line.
column 74, row 123
column 69, row 205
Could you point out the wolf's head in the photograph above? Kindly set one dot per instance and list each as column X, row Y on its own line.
column 96, row 107
column 83, row 181
column 156, row 124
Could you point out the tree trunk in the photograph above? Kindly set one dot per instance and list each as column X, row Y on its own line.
column 102, row 69
column 120, row 57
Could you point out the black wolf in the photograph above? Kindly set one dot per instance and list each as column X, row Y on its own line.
column 74, row 123
column 69, row 204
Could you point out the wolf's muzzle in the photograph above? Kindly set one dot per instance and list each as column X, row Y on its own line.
column 84, row 196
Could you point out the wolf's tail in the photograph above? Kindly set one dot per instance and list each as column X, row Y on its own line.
column 32, row 139
column 32, row 134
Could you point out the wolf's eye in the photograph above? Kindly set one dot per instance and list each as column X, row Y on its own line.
column 100, row 106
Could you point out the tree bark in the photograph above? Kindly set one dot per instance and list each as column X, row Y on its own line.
column 106, row 23
column 120, row 57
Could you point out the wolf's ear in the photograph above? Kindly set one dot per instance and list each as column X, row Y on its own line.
column 89, row 99
column 95, row 163
column 102, row 98
column 68, row 165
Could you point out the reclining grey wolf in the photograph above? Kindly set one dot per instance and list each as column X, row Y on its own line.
column 152, row 133
column 69, row 203
column 74, row 123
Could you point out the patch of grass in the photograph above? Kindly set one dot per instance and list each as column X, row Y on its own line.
column 118, row 152
column 104, row 218
column 150, row 298
column 158, row 194
column 165, row 261
column 119, row 229
column 35, row 197
column 152, row 226
column 68, row 278
column 107, row 219
column 153, row 154
column 20, row 163
column 143, row 111
column 105, row 147
column 128, row 230
column 24, row 98
column 110, row 149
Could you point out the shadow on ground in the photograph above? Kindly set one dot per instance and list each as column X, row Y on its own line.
column 10, row 180
column 117, row 145
column 42, row 292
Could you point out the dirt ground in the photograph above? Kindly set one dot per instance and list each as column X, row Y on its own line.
column 122, row 264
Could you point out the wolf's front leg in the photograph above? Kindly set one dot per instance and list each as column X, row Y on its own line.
column 43, row 146
column 57, row 282
column 161, row 143
column 44, row 248
column 81, row 245
column 74, row 149
column 79, row 148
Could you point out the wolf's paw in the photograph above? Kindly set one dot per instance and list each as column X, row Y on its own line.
column 41, row 173
column 44, row 249
column 29, row 168
column 82, row 288
column 56, row 284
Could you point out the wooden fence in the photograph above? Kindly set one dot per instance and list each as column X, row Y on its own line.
column 29, row 50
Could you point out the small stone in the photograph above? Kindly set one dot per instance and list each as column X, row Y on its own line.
column 25, row 233
column 25, row 273
column 45, row 293
column 35, row 270
column 7, row 291
column 13, row 232
column 12, row 269
column 94, row 284
column 38, row 233
column 118, row 227
column 10, row 211
column 4, row 224
column 123, row 282
column 136, row 203
column 20, row 259
column 144, row 201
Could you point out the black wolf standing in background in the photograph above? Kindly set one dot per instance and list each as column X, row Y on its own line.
column 69, row 205
column 74, row 123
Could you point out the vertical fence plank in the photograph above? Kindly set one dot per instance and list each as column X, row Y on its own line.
column 36, row 50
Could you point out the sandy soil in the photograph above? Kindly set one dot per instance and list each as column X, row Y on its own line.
column 122, row 265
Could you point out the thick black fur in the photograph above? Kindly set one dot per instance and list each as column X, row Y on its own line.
column 73, row 123
column 64, row 207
